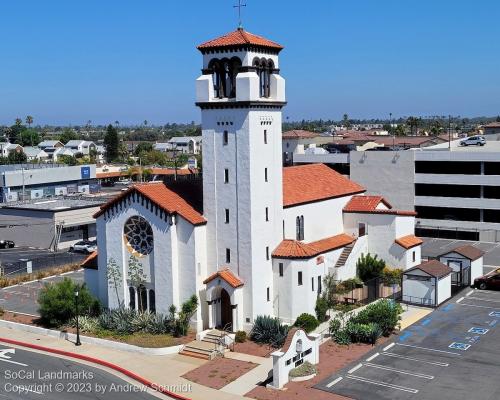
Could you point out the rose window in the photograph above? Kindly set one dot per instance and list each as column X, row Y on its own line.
column 139, row 235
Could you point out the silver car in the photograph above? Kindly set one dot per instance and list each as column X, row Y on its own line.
column 473, row 141
column 84, row 246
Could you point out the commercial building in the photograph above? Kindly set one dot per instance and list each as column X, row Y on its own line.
column 36, row 181
column 49, row 224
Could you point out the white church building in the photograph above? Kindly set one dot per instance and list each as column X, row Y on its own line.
column 267, row 235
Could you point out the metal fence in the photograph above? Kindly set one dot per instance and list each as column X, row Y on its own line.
column 44, row 262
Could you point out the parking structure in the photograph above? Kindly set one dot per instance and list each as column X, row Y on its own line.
column 452, row 353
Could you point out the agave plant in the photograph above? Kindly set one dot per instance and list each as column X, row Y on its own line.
column 142, row 321
column 86, row 324
column 269, row 330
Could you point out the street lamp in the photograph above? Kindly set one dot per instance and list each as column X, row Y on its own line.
column 78, row 343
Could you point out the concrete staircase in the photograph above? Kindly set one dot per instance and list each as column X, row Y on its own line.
column 345, row 255
column 208, row 348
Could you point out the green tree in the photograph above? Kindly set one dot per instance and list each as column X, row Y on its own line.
column 19, row 122
column 68, row 160
column 136, row 277
column 15, row 157
column 114, row 276
column 369, row 267
column 28, row 137
column 67, row 135
column 14, row 132
column 29, row 120
column 111, row 142
column 346, row 121
column 143, row 147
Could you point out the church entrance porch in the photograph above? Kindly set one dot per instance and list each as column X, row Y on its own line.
column 224, row 297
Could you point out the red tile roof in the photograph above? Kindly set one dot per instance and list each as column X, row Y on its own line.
column 409, row 241
column 294, row 249
column 227, row 275
column 314, row 182
column 164, row 198
column 366, row 203
column 433, row 268
column 299, row 134
column 239, row 37
column 90, row 262
column 468, row 251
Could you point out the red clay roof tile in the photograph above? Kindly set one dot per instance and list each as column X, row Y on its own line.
column 314, row 182
column 365, row 203
column 299, row 134
column 91, row 261
column 239, row 37
column 433, row 268
column 227, row 275
column 294, row 249
column 409, row 241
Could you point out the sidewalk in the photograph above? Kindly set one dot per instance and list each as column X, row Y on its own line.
column 413, row 314
column 162, row 370
column 249, row 381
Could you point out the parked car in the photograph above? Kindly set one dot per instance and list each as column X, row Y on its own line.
column 84, row 246
column 6, row 244
column 473, row 141
column 488, row 282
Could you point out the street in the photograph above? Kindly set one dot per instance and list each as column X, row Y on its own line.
column 27, row 375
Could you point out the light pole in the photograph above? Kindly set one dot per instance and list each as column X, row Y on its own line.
column 78, row 343
column 393, row 132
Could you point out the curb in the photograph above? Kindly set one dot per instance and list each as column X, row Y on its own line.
column 107, row 364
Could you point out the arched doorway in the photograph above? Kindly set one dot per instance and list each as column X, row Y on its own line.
column 226, row 311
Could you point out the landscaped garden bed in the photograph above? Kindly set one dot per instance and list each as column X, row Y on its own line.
column 219, row 372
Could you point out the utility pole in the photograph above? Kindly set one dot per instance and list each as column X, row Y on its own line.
column 449, row 132
column 22, row 172
column 393, row 132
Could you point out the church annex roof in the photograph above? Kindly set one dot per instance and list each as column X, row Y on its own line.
column 433, row 268
column 164, row 198
column 294, row 249
column 369, row 204
column 239, row 38
column 227, row 275
column 299, row 134
column 468, row 251
column 409, row 241
column 315, row 182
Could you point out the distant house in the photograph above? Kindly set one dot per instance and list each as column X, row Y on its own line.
column 60, row 151
column 35, row 154
column 50, row 144
column 80, row 146
column 298, row 141
column 185, row 144
column 492, row 128
column 7, row 148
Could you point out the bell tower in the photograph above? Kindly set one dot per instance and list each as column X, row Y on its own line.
column 241, row 94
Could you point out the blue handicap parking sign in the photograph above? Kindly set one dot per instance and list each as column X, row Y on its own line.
column 459, row 346
column 479, row 331
column 494, row 314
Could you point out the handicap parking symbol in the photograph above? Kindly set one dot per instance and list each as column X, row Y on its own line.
column 459, row 346
column 479, row 331
column 494, row 314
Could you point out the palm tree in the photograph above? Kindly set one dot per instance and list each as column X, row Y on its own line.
column 117, row 123
column 29, row 120
column 19, row 121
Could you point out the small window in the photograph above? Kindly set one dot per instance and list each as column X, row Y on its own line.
column 280, row 269
column 265, row 136
column 225, row 138
column 320, row 288
column 143, row 298
column 267, row 216
column 265, row 174
column 152, row 301
column 226, row 216
column 267, row 252
column 226, row 176
column 268, row 295
column 131, row 293
column 228, row 256
column 300, row 278
column 361, row 229
column 414, row 256
column 312, row 283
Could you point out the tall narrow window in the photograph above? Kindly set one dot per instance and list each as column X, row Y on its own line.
column 152, row 301
column 226, row 176
column 320, row 288
column 299, row 227
column 265, row 174
column 228, row 256
column 268, row 295
column 267, row 252
column 312, row 283
column 226, row 216
column 299, row 277
column 131, row 294
column 143, row 298
column 414, row 256
column 225, row 138
column 280, row 269
column 267, row 214
column 265, row 136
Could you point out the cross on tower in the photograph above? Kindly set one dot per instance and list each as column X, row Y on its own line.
column 239, row 6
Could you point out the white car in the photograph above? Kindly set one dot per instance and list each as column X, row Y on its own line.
column 84, row 246
column 473, row 141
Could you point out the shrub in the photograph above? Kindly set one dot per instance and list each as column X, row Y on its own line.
column 363, row 333
column 305, row 369
column 321, row 309
column 384, row 312
column 142, row 321
column 181, row 323
column 57, row 302
column 86, row 323
column 240, row 337
column 307, row 322
column 269, row 330
column 391, row 276
column 369, row 267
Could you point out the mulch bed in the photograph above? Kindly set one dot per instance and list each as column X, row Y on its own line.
column 21, row 319
column 219, row 372
column 332, row 357
column 254, row 349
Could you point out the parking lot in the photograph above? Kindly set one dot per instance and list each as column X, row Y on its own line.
column 22, row 298
column 452, row 353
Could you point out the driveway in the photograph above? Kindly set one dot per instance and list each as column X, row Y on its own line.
column 22, row 298
column 451, row 354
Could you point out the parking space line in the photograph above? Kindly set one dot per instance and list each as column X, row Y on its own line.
column 440, row 364
column 355, row 368
column 468, row 294
column 426, row 348
column 378, row 383
column 488, row 300
column 334, row 382
column 372, row 357
column 388, row 347
column 474, row 305
column 460, row 299
column 399, row 371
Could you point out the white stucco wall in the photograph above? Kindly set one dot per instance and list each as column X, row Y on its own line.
column 415, row 290
column 444, row 289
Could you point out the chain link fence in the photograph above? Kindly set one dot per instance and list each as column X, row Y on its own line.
column 57, row 259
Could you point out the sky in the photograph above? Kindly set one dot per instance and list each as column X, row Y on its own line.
column 67, row 62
